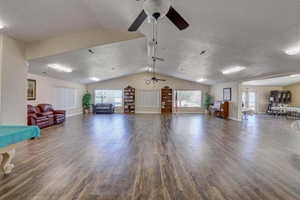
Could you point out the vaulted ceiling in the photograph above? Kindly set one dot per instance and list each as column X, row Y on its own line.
column 234, row 32
column 275, row 81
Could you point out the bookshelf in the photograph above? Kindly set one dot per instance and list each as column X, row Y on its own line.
column 129, row 100
column 166, row 100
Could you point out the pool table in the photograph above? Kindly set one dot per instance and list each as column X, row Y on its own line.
column 9, row 137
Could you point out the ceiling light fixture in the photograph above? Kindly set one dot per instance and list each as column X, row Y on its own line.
column 201, row 80
column 293, row 51
column 60, row 68
column 91, row 51
column 94, row 79
column 233, row 69
column 1, row 25
column 148, row 69
column 294, row 75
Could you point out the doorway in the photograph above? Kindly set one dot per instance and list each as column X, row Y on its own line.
column 249, row 100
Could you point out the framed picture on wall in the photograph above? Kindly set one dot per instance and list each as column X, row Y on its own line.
column 226, row 94
column 31, row 89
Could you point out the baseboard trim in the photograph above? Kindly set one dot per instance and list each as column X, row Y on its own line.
column 189, row 112
column 74, row 114
column 147, row 112
column 235, row 119
column 152, row 112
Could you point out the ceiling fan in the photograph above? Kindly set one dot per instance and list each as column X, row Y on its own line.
column 154, row 79
column 157, row 9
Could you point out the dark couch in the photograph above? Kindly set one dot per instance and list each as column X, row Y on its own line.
column 103, row 108
column 43, row 115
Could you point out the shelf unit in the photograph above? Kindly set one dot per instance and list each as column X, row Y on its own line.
column 129, row 100
column 281, row 97
column 166, row 100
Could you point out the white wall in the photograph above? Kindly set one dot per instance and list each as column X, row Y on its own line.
column 45, row 91
column 217, row 93
column 138, row 81
column 1, row 55
column 13, row 82
column 262, row 95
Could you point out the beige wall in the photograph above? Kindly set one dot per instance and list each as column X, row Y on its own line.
column 13, row 82
column 262, row 95
column 217, row 93
column 138, row 81
column 45, row 91
column 295, row 89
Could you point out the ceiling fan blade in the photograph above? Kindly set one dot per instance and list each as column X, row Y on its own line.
column 138, row 22
column 160, row 79
column 176, row 18
column 157, row 58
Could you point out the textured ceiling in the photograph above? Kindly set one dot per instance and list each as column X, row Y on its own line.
column 234, row 32
column 108, row 61
column 277, row 81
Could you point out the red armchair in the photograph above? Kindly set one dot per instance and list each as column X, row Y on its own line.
column 55, row 116
column 44, row 115
column 36, row 119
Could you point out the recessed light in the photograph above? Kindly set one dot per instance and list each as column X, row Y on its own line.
column 294, row 75
column 293, row 51
column 201, row 80
column 233, row 69
column 94, row 79
column 203, row 52
column 60, row 68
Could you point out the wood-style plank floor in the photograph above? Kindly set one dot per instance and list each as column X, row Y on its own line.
column 155, row 157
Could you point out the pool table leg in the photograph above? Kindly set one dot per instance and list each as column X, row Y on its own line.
column 6, row 164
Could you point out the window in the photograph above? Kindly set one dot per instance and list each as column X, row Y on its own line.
column 249, row 100
column 189, row 98
column 244, row 99
column 148, row 98
column 109, row 96
column 252, row 102
column 65, row 98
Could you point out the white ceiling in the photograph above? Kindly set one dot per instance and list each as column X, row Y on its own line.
column 108, row 61
column 235, row 32
column 277, row 81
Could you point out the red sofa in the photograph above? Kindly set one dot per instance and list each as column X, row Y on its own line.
column 43, row 115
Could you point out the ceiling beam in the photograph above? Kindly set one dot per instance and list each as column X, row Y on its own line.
column 76, row 41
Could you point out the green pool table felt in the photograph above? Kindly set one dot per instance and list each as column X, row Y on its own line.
column 14, row 134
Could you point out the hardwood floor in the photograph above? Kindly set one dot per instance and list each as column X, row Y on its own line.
column 175, row 157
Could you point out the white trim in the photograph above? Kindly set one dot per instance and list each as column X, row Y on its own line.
column 260, row 113
column 154, row 112
column 147, row 112
column 235, row 119
column 74, row 114
column 186, row 112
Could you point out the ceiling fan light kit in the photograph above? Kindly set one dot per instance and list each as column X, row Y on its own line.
column 157, row 9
